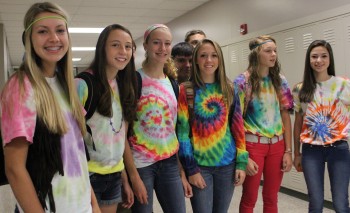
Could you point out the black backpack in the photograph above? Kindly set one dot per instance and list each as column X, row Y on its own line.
column 3, row 178
column 94, row 94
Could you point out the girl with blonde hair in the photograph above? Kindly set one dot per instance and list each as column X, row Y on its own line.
column 43, row 123
column 152, row 139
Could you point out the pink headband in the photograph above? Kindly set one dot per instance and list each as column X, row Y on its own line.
column 151, row 28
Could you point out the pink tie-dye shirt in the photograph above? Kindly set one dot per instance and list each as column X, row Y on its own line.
column 155, row 138
column 72, row 192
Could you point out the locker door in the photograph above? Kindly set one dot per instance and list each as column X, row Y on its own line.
column 346, row 46
column 238, row 58
column 332, row 31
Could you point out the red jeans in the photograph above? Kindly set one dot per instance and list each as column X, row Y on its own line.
column 269, row 158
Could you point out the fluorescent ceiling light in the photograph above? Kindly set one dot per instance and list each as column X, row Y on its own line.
column 84, row 30
column 76, row 59
column 83, row 48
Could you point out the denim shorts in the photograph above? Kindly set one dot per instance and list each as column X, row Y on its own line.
column 107, row 188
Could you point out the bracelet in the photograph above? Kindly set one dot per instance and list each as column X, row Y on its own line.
column 289, row 152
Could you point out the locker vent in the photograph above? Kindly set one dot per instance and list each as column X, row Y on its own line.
column 307, row 39
column 289, row 45
column 329, row 36
column 245, row 53
column 234, row 56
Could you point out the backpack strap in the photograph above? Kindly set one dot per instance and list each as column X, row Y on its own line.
column 93, row 96
column 91, row 103
column 139, row 84
column 175, row 86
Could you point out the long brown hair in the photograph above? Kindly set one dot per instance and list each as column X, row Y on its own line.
column 126, row 78
column 255, row 47
column 309, row 81
column 220, row 73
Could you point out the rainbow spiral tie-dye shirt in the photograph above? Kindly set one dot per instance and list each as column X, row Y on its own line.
column 216, row 140
column 72, row 192
column 263, row 115
column 154, row 136
column 326, row 118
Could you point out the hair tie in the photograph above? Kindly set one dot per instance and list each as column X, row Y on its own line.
column 151, row 28
column 44, row 17
column 257, row 45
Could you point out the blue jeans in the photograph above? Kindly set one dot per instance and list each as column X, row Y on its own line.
column 164, row 177
column 216, row 197
column 107, row 188
column 338, row 162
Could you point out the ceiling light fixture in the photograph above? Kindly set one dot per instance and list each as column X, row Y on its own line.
column 84, row 30
column 83, row 48
column 76, row 59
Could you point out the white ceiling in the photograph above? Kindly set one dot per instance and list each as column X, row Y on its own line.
column 136, row 15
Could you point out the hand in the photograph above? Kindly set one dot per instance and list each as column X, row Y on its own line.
column 252, row 168
column 140, row 191
column 197, row 180
column 287, row 162
column 187, row 186
column 128, row 195
column 239, row 177
column 297, row 163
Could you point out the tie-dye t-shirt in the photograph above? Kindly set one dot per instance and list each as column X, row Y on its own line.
column 326, row 118
column 263, row 115
column 72, row 192
column 214, row 142
column 155, row 138
column 108, row 133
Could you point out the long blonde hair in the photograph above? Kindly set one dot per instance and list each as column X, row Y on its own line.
column 47, row 106
column 220, row 74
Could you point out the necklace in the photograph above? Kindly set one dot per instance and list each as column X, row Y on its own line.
column 116, row 98
column 120, row 127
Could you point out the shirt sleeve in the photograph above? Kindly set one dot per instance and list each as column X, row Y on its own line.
column 297, row 104
column 183, row 132
column 18, row 111
column 82, row 90
column 239, row 83
column 286, row 99
column 237, row 129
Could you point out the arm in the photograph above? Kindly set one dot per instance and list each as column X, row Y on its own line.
column 185, row 184
column 240, row 87
column 298, row 122
column 183, row 129
column 136, row 182
column 287, row 157
column 15, row 154
column 128, row 198
column 238, row 132
column 186, row 149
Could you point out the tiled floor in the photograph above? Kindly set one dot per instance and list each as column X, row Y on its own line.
column 287, row 204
